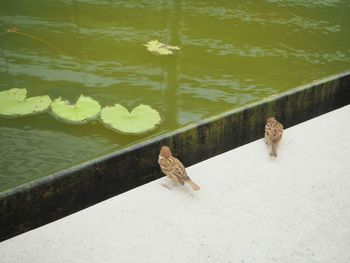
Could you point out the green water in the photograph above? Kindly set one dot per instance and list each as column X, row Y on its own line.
column 232, row 53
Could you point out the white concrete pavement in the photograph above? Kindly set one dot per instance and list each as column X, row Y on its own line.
column 251, row 208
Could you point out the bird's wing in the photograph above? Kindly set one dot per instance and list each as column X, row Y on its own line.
column 180, row 170
column 170, row 167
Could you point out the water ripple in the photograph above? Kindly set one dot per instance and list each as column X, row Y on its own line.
column 307, row 3
column 91, row 73
column 34, row 22
column 271, row 19
column 222, row 48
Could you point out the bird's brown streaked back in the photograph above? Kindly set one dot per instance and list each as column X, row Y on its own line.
column 273, row 134
column 173, row 168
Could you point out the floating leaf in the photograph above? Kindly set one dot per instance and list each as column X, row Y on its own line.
column 82, row 111
column 141, row 119
column 13, row 102
column 155, row 46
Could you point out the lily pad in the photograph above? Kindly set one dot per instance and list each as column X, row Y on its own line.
column 157, row 47
column 84, row 110
column 141, row 119
column 13, row 102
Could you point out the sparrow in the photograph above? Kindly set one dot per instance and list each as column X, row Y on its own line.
column 173, row 168
column 273, row 134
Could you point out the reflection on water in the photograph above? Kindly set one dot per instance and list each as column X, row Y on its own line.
column 232, row 53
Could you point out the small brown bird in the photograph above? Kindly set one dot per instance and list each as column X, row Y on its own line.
column 273, row 134
column 173, row 168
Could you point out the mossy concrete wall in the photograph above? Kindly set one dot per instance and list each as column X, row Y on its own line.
column 61, row 194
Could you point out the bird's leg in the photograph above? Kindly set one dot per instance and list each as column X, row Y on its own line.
column 271, row 145
column 265, row 139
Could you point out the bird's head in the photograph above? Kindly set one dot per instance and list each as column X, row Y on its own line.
column 270, row 119
column 165, row 152
column 269, row 122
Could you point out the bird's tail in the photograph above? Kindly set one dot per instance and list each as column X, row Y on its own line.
column 273, row 149
column 193, row 185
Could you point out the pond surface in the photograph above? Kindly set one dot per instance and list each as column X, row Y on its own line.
column 231, row 54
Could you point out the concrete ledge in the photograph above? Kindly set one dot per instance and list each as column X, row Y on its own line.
column 53, row 197
column 251, row 208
